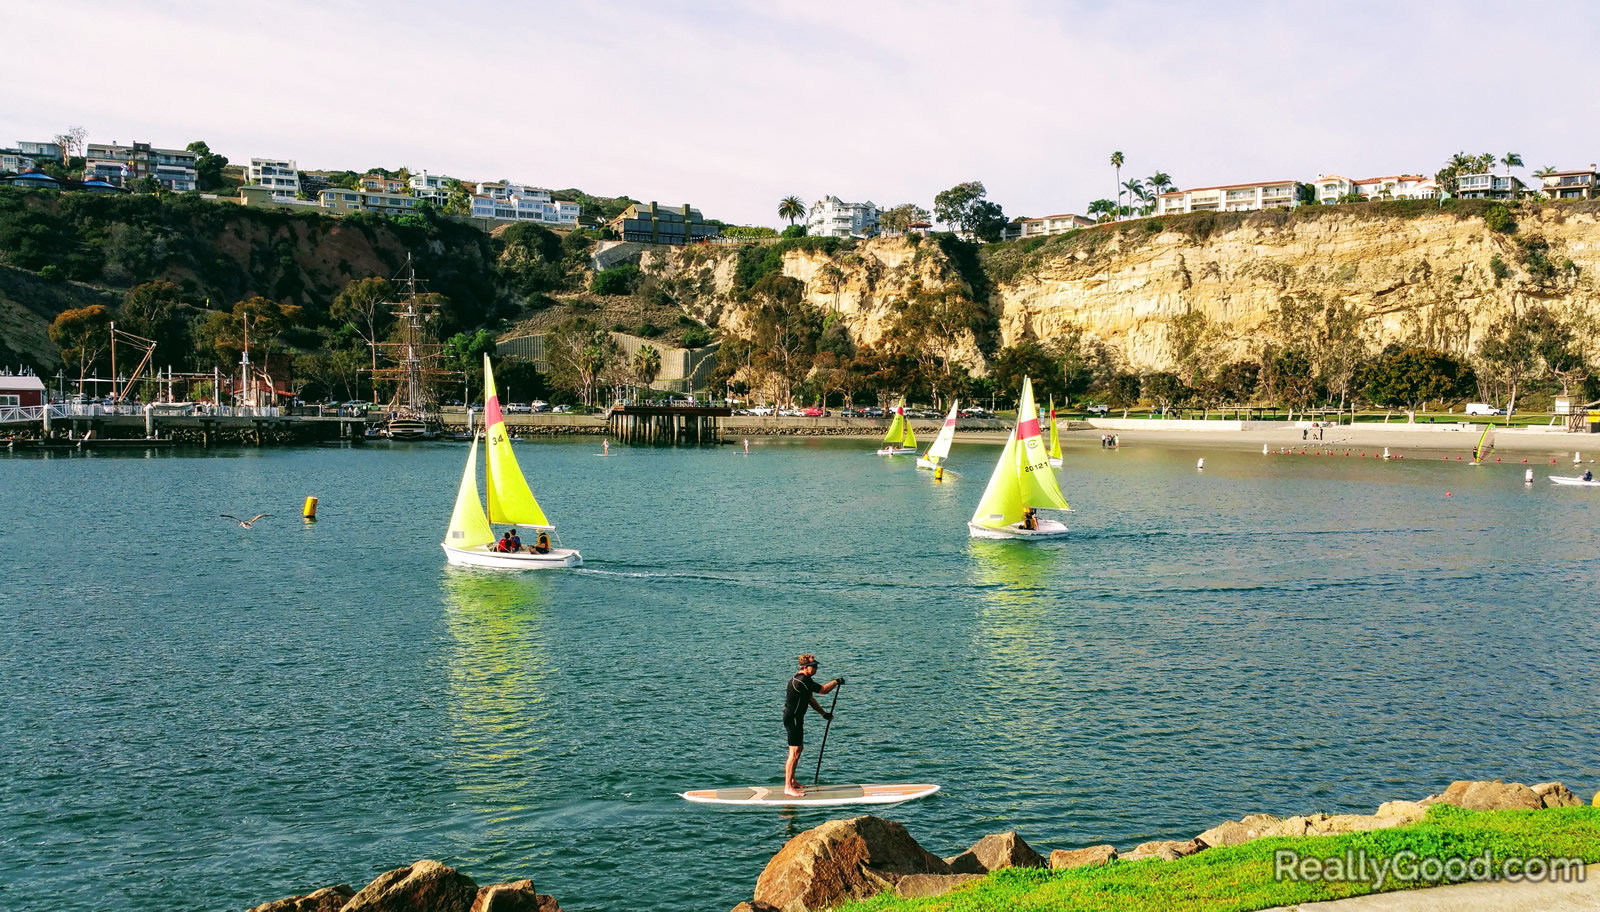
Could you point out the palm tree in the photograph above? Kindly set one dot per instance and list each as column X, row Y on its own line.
column 1546, row 171
column 1136, row 191
column 1511, row 160
column 646, row 364
column 1116, row 162
column 791, row 208
column 1102, row 207
column 1159, row 183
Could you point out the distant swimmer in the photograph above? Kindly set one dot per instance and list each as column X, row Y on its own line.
column 245, row 523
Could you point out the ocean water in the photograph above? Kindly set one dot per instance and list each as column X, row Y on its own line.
column 227, row 716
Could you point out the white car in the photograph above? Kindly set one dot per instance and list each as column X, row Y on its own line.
column 762, row 410
column 1098, row 409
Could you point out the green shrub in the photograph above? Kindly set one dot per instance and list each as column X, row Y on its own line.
column 795, row 231
column 53, row 273
column 618, row 280
column 647, row 330
column 1498, row 267
column 699, row 337
column 1498, row 218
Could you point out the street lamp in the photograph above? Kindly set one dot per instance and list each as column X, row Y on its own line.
column 61, row 386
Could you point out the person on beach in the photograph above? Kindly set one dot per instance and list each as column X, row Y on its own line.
column 801, row 694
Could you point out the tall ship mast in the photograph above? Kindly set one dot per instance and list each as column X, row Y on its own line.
column 411, row 362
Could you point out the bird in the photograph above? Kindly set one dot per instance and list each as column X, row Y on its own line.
column 245, row 523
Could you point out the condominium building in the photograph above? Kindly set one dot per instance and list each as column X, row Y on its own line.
column 435, row 188
column 41, row 151
column 1331, row 188
column 1489, row 186
column 1579, row 184
column 120, row 165
column 650, row 224
column 513, row 202
column 1230, row 198
column 1044, row 227
column 27, row 155
column 15, row 161
column 377, row 183
column 339, row 200
column 833, row 217
column 278, row 175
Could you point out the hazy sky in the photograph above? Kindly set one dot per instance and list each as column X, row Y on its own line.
column 731, row 106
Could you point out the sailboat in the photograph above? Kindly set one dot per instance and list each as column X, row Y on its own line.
column 900, row 441
column 1055, row 437
column 1022, row 480
column 1480, row 453
column 470, row 540
column 413, row 412
column 941, row 444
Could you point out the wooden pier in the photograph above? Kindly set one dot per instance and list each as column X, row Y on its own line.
column 662, row 425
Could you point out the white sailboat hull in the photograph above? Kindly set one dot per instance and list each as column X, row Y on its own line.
column 923, row 463
column 897, row 451
column 557, row 559
column 1055, row 462
column 1048, row 528
column 1576, row 482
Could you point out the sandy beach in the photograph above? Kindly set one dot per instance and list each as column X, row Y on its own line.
column 1401, row 439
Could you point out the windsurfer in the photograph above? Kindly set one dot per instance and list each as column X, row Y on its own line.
column 799, row 695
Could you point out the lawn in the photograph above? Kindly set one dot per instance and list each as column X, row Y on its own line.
column 1241, row 877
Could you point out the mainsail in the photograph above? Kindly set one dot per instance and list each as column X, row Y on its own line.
column 941, row 444
column 1485, row 444
column 1022, row 478
column 1055, row 437
column 510, row 500
column 469, row 527
column 897, row 427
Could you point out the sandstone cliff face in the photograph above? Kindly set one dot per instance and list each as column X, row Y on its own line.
column 1414, row 276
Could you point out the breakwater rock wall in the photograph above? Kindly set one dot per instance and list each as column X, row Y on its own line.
column 845, row 860
column 425, row 886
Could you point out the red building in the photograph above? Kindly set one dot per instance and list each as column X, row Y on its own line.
column 20, row 390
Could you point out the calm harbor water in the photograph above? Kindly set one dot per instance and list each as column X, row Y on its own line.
column 223, row 716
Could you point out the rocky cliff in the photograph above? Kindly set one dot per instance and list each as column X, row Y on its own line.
column 1400, row 272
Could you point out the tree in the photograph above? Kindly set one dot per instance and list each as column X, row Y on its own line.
column 1027, row 358
column 618, row 280
column 464, row 352
column 1511, row 160
column 1513, row 350
column 1103, row 208
column 207, row 166
column 900, row 218
column 1124, row 390
column 1407, row 377
column 791, row 208
column 364, row 305
column 82, row 336
column 1165, row 389
column 786, row 330
column 1193, row 340
column 1080, row 360
column 151, row 310
column 954, row 206
column 646, row 364
column 1136, row 191
column 986, row 221
column 930, row 327
column 458, row 199
column 1459, row 164
column 1288, row 377
column 1237, row 380
column 1116, row 162
column 579, row 352
column 1159, row 183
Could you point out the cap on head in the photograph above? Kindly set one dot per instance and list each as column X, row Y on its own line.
column 807, row 658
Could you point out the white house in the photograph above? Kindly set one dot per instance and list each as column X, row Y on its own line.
column 120, row 165
column 833, row 217
column 279, row 175
column 1489, row 186
column 435, row 188
column 1399, row 187
column 1044, row 226
column 1230, row 198
column 1579, row 184
column 506, row 201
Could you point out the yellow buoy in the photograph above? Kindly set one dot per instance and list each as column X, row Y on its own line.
column 310, row 511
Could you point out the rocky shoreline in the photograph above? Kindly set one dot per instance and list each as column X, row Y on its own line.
column 425, row 886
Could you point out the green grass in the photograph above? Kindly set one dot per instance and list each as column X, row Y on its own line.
column 1241, row 877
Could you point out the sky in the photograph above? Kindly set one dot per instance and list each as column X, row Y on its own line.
column 731, row 106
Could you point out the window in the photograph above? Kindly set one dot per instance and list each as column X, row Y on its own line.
column 9, row 401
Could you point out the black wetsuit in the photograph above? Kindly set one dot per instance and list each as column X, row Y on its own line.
column 795, row 703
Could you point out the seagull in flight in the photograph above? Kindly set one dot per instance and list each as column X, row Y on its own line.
column 245, row 523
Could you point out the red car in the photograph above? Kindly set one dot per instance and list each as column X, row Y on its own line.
column 816, row 412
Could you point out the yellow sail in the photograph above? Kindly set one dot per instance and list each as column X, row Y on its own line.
column 469, row 527
column 1055, row 438
column 1022, row 477
column 910, row 441
column 510, row 501
column 941, row 444
column 1485, row 444
column 897, row 427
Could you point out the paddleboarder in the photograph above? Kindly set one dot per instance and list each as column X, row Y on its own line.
column 801, row 693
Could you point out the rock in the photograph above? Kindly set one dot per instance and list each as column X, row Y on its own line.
column 1353, row 823
column 922, row 886
column 1409, row 811
column 327, row 899
column 547, row 903
column 753, row 907
column 1238, row 832
column 515, row 896
column 996, row 851
column 1169, row 850
column 1062, row 859
column 1556, row 795
column 424, row 885
column 1487, row 795
column 841, row 860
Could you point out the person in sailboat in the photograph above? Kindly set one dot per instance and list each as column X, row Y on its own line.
column 504, row 544
column 542, row 546
column 515, row 541
column 1030, row 519
column 1588, row 475
column 799, row 696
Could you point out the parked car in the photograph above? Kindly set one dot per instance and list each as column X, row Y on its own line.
column 849, row 413
column 562, row 409
column 815, row 412
column 518, row 407
column 1098, row 409
column 873, row 412
column 539, row 405
column 791, row 413
column 762, row 411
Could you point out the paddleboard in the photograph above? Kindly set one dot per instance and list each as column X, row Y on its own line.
column 815, row 796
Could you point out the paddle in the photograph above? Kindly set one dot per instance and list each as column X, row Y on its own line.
column 818, row 774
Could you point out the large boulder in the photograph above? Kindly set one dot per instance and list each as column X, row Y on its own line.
column 1556, row 795
column 1337, row 824
column 1236, row 832
column 842, row 860
column 996, row 851
column 1062, row 859
column 513, row 896
column 1166, row 850
column 923, row 886
column 1487, row 795
column 327, row 899
column 1408, row 811
column 424, row 885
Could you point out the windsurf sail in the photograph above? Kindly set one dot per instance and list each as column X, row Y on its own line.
column 941, row 444
column 1485, row 444
column 469, row 527
column 1022, row 478
column 510, row 500
column 1055, row 437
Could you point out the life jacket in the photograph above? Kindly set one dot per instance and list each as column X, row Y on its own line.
column 544, row 543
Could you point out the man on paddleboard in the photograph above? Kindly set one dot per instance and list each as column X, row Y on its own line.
column 801, row 693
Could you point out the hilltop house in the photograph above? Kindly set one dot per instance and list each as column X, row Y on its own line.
column 1489, row 186
column 506, row 201
column 435, row 188
column 648, row 223
column 1331, row 188
column 1570, row 184
column 340, row 201
column 278, row 175
column 1230, row 198
column 833, row 217
column 119, row 165
column 377, row 183
column 1043, row 227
